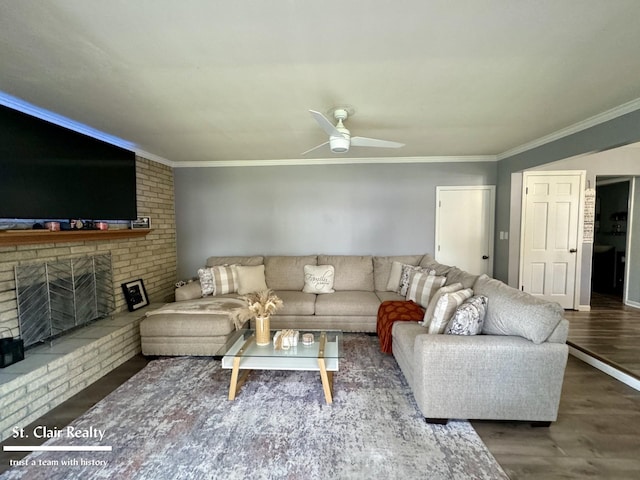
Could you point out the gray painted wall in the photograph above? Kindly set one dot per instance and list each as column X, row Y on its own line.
column 619, row 131
column 378, row 209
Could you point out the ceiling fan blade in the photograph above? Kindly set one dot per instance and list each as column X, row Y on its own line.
column 374, row 142
column 315, row 148
column 325, row 124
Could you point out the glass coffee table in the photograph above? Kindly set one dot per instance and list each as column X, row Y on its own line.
column 241, row 353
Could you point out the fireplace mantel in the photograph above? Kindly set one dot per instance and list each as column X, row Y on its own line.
column 26, row 237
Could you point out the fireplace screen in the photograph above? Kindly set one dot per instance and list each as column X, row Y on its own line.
column 55, row 297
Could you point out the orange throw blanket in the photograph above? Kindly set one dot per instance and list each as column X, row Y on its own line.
column 393, row 311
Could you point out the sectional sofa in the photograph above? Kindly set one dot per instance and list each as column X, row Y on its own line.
column 513, row 370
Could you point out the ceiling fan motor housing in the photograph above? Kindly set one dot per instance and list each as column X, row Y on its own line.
column 339, row 144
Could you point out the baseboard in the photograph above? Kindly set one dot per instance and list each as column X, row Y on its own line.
column 584, row 308
column 633, row 304
column 620, row 375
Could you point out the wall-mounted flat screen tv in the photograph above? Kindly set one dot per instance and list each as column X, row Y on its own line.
column 50, row 172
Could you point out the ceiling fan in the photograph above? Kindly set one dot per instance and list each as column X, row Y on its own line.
column 340, row 138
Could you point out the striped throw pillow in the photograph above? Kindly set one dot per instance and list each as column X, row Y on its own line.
column 225, row 279
column 422, row 287
column 428, row 313
column 446, row 307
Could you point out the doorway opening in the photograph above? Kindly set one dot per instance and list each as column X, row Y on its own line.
column 610, row 247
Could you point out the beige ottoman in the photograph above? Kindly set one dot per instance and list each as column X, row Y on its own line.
column 196, row 327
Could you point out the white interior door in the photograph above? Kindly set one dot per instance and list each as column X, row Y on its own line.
column 550, row 226
column 464, row 227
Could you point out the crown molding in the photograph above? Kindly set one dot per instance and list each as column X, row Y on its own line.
column 155, row 158
column 616, row 112
column 335, row 161
column 62, row 121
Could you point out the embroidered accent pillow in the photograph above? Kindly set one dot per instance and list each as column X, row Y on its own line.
column 422, row 287
column 318, row 279
column 446, row 307
column 469, row 317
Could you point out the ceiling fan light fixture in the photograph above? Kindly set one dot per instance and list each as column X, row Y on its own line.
column 339, row 144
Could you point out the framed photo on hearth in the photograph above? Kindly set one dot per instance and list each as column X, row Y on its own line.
column 135, row 294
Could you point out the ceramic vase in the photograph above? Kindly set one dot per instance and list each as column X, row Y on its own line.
column 263, row 332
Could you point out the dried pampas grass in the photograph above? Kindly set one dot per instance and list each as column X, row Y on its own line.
column 259, row 304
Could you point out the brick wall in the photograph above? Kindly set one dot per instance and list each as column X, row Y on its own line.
column 151, row 258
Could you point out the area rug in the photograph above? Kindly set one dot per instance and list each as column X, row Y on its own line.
column 173, row 420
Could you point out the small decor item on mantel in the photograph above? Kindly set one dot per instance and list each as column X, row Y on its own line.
column 141, row 222
column 260, row 306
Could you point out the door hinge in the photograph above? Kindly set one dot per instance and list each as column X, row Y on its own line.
column 522, row 287
column 526, row 191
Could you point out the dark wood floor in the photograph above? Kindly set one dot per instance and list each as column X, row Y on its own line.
column 610, row 330
column 597, row 435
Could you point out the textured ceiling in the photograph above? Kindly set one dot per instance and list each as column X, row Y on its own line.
column 207, row 81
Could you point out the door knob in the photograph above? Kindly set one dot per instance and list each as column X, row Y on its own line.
column 485, row 257
column 573, row 250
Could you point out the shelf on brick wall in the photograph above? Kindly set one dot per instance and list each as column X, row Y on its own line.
column 26, row 237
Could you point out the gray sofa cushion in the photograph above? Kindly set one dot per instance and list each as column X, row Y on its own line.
column 512, row 312
column 348, row 303
column 429, row 262
column 390, row 296
column 455, row 275
column 248, row 261
column 352, row 272
column 287, row 272
column 382, row 268
column 296, row 303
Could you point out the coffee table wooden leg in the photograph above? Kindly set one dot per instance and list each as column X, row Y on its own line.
column 237, row 378
column 327, row 381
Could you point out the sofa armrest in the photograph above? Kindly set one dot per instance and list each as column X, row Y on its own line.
column 488, row 377
column 190, row 291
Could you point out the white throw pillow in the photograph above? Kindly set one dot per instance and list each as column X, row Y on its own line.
column 428, row 313
column 422, row 287
column 393, row 284
column 446, row 307
column 250, row 279
column 318, row 279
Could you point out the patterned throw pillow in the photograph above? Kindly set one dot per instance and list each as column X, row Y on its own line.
column 405, row 277
column 318, row 279
column 469, row 317
column 422, row 287
column 207, row 285
column 226, row 279
column 446, row 307
column 428, row 314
